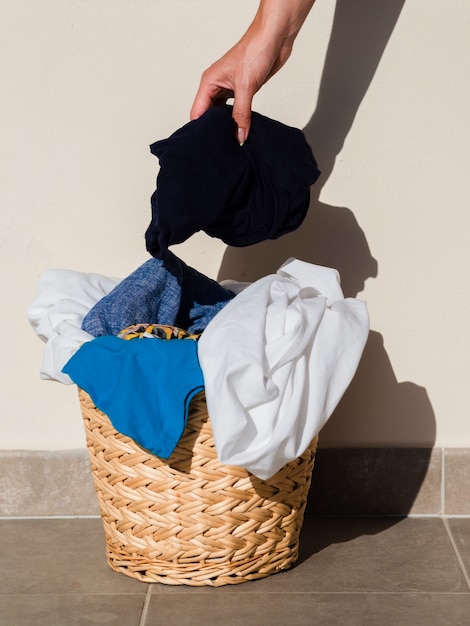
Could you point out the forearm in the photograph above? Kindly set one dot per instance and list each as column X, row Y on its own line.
column 282, row 19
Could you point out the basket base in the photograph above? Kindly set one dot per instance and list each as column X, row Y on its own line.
column 191, row 520
column 215, row 575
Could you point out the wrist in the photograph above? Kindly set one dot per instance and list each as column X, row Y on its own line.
column 282, row 20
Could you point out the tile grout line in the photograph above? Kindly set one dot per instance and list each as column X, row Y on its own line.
column 145, row 607
column 456, row 551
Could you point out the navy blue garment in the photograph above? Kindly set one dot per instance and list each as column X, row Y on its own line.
column 161, row 291
column 144, row 386
column 239, row 194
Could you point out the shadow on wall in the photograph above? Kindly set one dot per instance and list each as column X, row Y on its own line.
column 331, row 236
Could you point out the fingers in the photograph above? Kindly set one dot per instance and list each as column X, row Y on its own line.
column 202, row 102
column 207, row 97
column 241, row 110
column 228, row 78
column 242, row 114
column 209, row 94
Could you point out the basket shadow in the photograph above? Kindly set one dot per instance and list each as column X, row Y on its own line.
column 318, row 534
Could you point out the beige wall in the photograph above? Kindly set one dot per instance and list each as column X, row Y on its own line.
column 383, row 97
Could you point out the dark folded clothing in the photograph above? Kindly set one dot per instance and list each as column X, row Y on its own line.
column 239, row 194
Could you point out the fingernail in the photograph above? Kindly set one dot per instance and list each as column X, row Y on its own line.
column 241, row 136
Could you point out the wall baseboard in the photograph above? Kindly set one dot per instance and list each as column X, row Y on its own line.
column 43, row 483
column 349, row 481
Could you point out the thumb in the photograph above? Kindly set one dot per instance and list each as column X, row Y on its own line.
column 241, row 113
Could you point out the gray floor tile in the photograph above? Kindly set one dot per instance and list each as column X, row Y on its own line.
column 296, row 609
column 379, row 555
column 51, row 610
column 358, row 572
column 362, row 555
column 460, row 529
column 59, row 556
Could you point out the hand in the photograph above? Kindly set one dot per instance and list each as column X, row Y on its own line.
column 239, row 74
column 259, row 54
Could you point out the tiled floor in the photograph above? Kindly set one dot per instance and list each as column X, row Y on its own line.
column 351, row 572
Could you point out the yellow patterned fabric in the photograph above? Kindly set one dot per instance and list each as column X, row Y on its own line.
column 156, row 331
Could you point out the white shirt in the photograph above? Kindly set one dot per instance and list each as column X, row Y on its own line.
column 276, row 361
column 56, row 314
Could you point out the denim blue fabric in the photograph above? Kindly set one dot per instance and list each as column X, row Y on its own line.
column 161, row 291
column 144, row 386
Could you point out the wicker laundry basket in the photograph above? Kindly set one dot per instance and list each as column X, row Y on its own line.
column 191, row 520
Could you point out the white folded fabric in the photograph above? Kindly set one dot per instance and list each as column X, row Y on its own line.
column 62, row 300
column 276, row 361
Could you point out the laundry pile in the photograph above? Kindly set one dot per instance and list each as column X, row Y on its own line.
column 274, row 357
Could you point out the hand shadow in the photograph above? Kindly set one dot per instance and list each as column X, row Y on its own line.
column 331, row 236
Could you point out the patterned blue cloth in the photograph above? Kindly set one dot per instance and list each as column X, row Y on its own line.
column 161, row 291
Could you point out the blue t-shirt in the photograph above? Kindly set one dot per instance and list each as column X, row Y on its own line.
column 144, row 386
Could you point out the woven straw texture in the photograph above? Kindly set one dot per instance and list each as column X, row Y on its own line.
column 191, row 520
